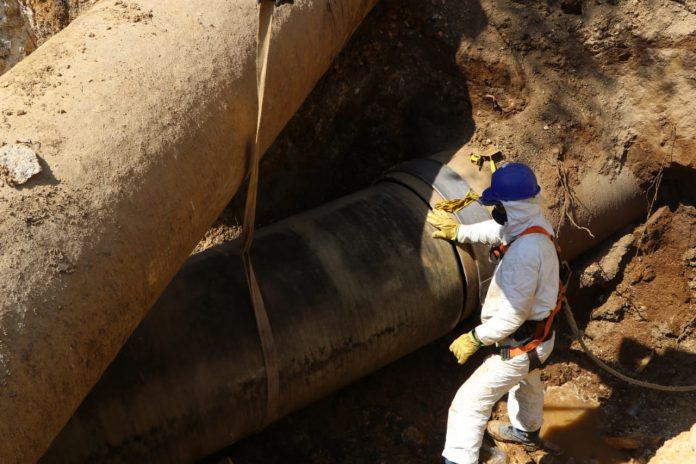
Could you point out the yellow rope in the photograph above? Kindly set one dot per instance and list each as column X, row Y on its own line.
column 452, row 206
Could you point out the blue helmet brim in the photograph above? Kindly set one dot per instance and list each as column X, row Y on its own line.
column 488, row 198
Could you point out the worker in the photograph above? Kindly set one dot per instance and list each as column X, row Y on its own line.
column 522, row 294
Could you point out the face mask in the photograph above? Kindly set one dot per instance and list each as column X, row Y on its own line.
column 499, row 214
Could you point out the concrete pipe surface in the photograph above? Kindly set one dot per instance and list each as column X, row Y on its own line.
column 349, row 287
column 141, row 114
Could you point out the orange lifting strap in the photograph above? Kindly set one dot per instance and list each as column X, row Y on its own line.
column 543, row 328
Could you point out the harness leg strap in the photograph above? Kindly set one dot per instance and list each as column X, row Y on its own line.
column 534, row 361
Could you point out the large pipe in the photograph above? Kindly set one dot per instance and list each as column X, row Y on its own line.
column 142, row 114
column 349, row 287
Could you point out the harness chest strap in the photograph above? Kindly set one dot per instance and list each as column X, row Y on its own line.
column 543, row 328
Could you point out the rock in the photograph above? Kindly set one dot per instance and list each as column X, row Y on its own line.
column 689, row 257
column 611, row 263
column 609, row 266
column 612, row 310
column 5, row 48
column 20, row 163
column 651, row 232
column 693, row 438
column 648, row 274
column 492, row 455
column 591, row 275
column 679, row 449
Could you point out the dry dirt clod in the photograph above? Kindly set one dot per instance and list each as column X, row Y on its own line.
column 610, row 265
column 648, row 274
column 612, row 310
column 19, row 163
column 681, row 448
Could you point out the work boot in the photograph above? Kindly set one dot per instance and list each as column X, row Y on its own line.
column 505, row 432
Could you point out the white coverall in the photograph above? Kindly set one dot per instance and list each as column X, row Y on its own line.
column 524, row 287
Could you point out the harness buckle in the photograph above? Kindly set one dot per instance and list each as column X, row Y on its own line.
column 505, row 353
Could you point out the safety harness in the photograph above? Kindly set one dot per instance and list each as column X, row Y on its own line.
column 542, row 330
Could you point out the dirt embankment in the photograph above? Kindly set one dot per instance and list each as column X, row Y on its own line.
column 26, row 24
column 16, row 39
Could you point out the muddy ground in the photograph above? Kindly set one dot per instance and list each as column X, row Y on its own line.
column 571, row 87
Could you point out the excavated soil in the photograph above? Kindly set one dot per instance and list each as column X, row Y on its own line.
column 569, row 86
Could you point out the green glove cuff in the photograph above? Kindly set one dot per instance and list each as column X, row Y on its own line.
column 475, row 339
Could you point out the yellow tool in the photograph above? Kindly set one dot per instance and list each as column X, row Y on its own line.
column 492, row 155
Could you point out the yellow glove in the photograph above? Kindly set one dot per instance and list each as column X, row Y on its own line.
column 447, row 227
column 464, row 346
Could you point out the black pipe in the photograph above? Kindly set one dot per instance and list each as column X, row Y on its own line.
column 349, row 287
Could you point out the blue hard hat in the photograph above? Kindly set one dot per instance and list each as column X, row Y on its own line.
column 514, row 181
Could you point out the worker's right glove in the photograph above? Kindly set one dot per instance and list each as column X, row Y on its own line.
column 447, row 227
column 464, row 346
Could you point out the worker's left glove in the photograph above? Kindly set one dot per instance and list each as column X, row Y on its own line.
column 447, row 227
column 464, row 346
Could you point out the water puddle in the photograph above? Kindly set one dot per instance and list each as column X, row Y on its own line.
column 574, row 423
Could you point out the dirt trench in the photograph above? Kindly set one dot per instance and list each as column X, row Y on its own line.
column 568, row 86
